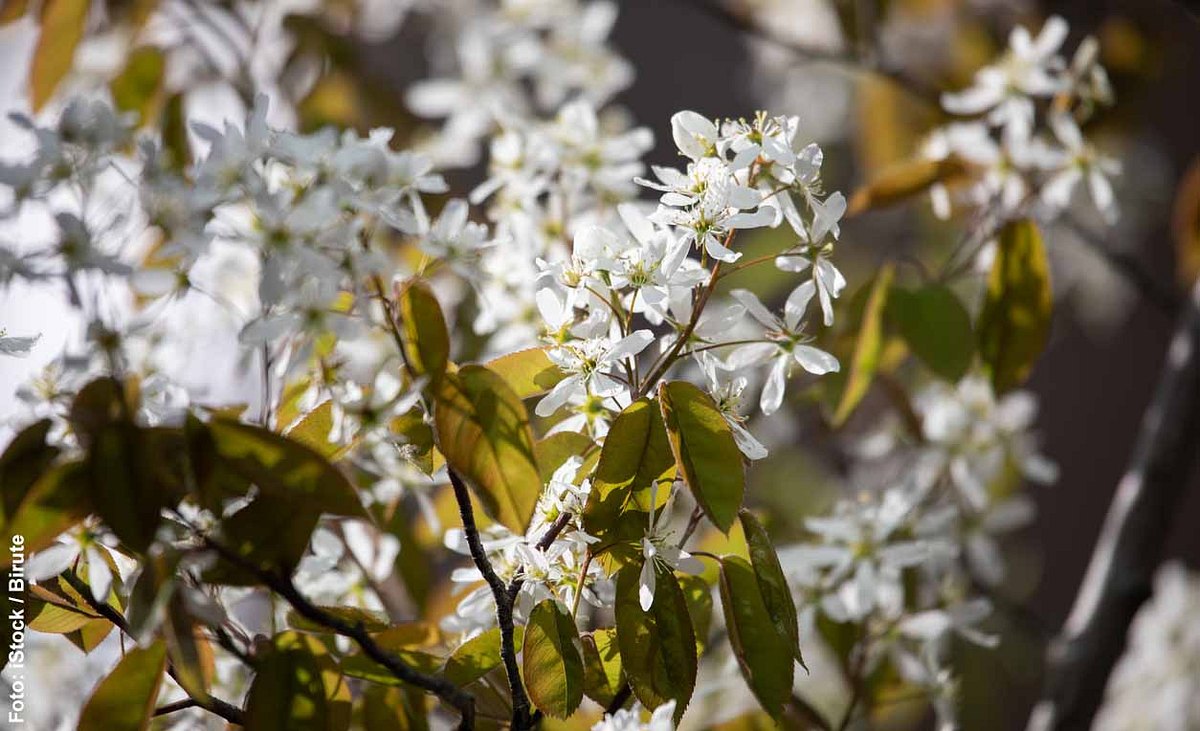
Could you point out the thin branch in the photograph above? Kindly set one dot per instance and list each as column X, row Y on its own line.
column 504, row 603
column 1166, row 299
column 282, row 585
column 216, row 706
column 1131, row 543
column 182, row 705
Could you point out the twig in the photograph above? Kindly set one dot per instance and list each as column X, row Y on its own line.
column 1165, row 299
column 182, row 705
column 1130, row 546
column 216, row 706
column 504, row 603
column 282, row 585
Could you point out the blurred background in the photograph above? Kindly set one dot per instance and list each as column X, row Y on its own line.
column 1108, row 339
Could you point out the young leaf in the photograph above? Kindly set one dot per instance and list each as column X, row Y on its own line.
column 705, row 451
column 765, row 657
column 527, row 372
column 867, row 348
column 25, row 459
column 284, row 468
column 936, row 326
column 658, row 647
column 478, row 656
column 58, row 500
column 555, row 449
column 297, row 687
column 636, row 454
column 551, row 661
column 124, row 701
column 902, row 181
column 426, row 339
column 1015, row 320
column 603, row 677
column 483, row 431
column 138, row 87
column 777, row 597
column 63, row 23
column 312, row 430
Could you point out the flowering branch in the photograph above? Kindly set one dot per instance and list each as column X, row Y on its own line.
column 282, row 585
column 216, row 706
column 504, row 603
column 1130, row 546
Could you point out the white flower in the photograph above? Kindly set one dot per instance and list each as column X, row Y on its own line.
column 726, row 391
column 825, row 276
column 788, row 344
column 589, row 364
column 630, row 719
column 1080, row 161
column 658, row 552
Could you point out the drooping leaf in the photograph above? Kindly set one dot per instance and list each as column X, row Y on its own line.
column 936, row 326
column 478, row 656
column 551, row 660
column 766, row 660
column 270, row 533
column 902, row 181
column 556, row 449
column 1015, row 320
column 125, row 491
column 658, row 647
column 297, row 687
column 62, row 28
column 58, row 500
column 426, row 339
column 138, row 87
column 704, row 450
column 25, row 459
column 284, row 468
column 603, row 677
column 124, row 701
column 187, row 649
column 777, row 596
column 483, row 431
column 527, row 372
column 53, row 613
column 867, row 347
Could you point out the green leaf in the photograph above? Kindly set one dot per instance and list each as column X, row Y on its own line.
column 603, row 677
column 936, row 326
column 297, row 687
column 527, row 372
column 556, row 449
column 766, row 659
column 698, row 594
column 483, row 431
column 271, row 533
column 25, row 459
column 58, row 500
column 138, row 87
column 658, row 647
column 901, row 182
column 63, row 24
column 393, row 709
column 124, row 701
column 312, row 430
column 777, row 597
column 126, row 492
column 478, row 656
column 426, row 339
column 362, row 667
column 705, row 451
column 284, row 468
column 551, row 662
column 371, row 620
column 867, row 347
column 184, row 648
column 1015, row 320
column 53, row 613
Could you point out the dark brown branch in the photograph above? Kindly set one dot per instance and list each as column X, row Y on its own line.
column 1130, row 547
column 504, row 604
column 216, row 706
column 182, row 705
column 282, row 585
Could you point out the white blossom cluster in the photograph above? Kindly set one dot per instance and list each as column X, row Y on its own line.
column 903, row 563
column 1156, row 683
column 1020, row 129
